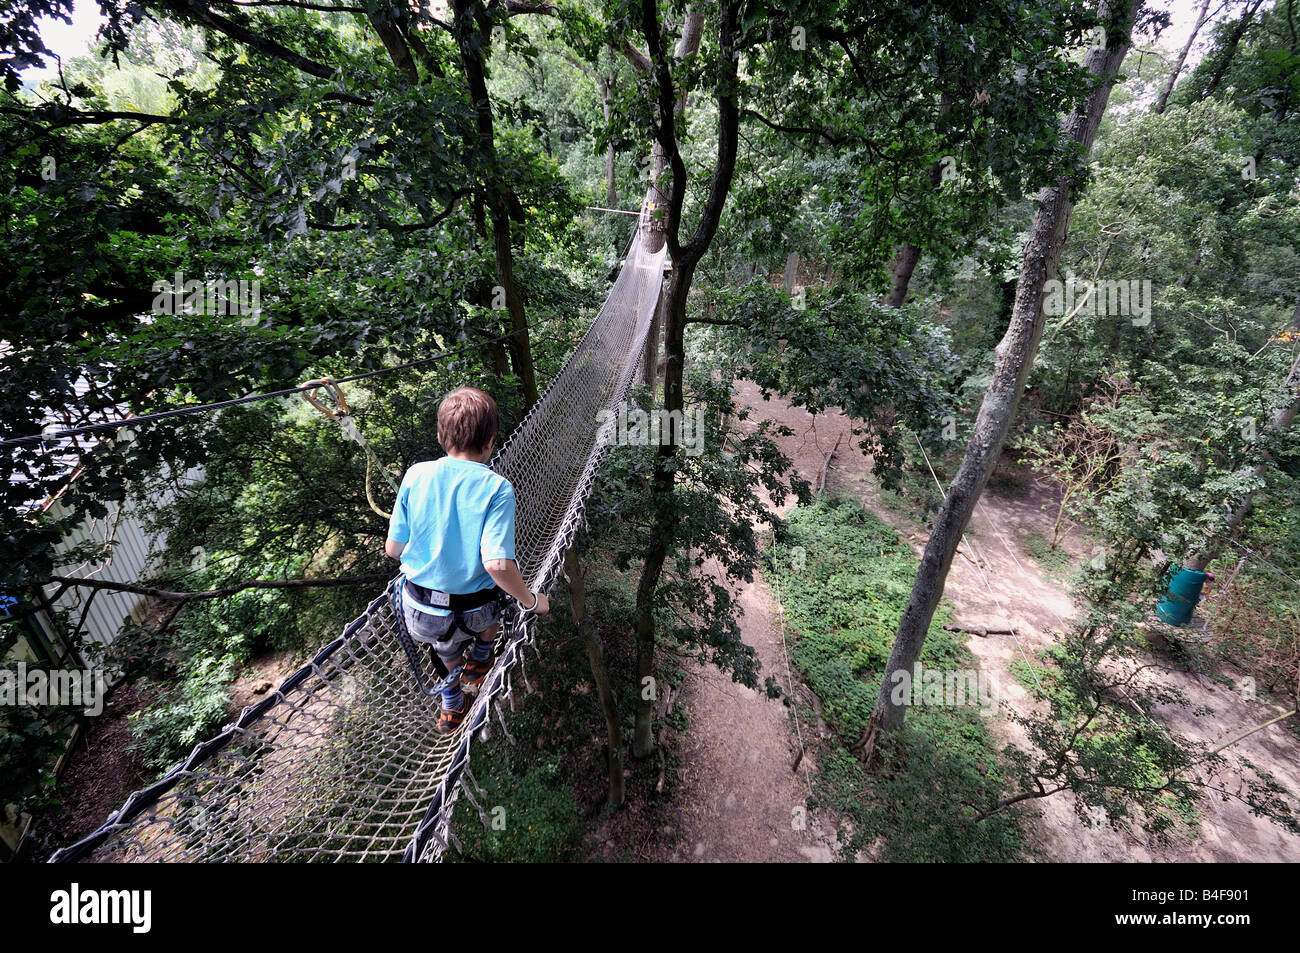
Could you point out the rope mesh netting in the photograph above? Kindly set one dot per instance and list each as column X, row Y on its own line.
column 343, row 762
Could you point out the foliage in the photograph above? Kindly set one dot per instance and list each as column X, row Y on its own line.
column 31, row 739
column 838, row 349
column 1080, row 454
column 538, row 820
column 185, row 713
column 844, row 579
column 1098, row 738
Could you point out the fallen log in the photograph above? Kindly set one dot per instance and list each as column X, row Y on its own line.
column 981, row 631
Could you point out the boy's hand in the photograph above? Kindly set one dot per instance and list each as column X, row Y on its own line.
column 543, row 604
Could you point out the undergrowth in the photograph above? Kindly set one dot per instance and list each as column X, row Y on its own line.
column 845, row 578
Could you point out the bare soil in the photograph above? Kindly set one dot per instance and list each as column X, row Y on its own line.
column 737, row 789
column 98, row 776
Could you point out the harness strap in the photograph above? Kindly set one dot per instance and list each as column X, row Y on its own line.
column 456, row 601
column 409, row 645
column 464, row 602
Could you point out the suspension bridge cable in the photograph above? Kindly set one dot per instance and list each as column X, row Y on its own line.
column 237, row 401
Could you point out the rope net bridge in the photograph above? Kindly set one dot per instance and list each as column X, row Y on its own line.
column 343, row 761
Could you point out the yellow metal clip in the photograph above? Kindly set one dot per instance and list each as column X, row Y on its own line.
column 335, row 393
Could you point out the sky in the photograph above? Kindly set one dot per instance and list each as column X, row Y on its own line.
column 68, row 40
column 71, row 40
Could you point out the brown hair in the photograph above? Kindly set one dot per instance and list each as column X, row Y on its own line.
column 467, row 420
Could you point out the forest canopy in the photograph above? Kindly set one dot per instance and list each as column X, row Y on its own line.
column 993, row 235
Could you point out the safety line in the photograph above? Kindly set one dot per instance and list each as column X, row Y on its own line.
column 234, row 402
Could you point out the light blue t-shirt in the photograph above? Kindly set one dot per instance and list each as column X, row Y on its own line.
column 454, row 515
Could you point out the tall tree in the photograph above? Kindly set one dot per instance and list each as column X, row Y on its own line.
column 685, row 257
column 1015, row 357
column 1280, row 421
column 472, row 26
column 1201, row 16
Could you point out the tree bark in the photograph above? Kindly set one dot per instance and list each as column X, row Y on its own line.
column 650, row 357
column 606, row 87
column 692, row 31
column 1182, row 58
column 473, row 32
column 599, row 674
column 1014, row 358
column 900, row 275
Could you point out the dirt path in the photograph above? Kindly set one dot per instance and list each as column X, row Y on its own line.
column 1014, row 591
column 741, row 802
column 738, row 792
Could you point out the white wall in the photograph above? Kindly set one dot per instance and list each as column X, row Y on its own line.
column 129, row 560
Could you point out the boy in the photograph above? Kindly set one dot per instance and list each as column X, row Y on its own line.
column 453, row 528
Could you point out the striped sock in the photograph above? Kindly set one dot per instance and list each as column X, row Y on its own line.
column 452, row 697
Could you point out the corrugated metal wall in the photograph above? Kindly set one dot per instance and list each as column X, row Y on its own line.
column 121, row 535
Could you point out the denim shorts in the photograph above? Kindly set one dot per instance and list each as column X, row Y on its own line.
column 436, row 629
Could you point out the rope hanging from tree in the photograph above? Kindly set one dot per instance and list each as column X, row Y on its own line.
column 343, row 414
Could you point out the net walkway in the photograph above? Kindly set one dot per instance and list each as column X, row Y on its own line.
column 343, row 762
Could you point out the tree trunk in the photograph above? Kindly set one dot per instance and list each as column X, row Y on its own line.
column 685, row 258
column 606, row 87
column 519, row 345
column 900, row 275
column 472, row 27
column 599, row 674
column 907, row 256
column 674, row 313
column 1182, row 58
column 1230, row 49
column 687, row 45
column 650, row 357
column 1014, row 358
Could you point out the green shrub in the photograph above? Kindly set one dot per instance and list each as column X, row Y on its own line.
column 844, row 579
column 532, row 814
column 185, row 715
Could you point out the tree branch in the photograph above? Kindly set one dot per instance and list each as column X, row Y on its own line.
column 520, row 7
column 58, row 115
column 171, row 596
column 215, row 21
column 323, row 7
column 635, row 57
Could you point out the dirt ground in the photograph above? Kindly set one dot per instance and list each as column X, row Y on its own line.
column 738, row 792
column 102, row 771
column 99, row 775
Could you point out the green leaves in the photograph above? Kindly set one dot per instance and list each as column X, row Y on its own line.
column 842, row 350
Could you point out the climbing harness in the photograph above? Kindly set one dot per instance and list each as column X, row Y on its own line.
column 343, row 414
column 459, row 604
